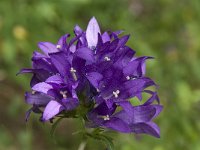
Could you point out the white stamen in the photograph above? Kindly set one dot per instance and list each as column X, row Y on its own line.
column 106, row 58
column 128, row 77
column 116, row 93
column 98, row 90
column 106, row 117
column 58, row 46
column 73, row 72
column 64, row 94
column 72, row 69
column 33, row 92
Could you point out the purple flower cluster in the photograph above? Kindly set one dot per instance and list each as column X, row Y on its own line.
column 95, row 72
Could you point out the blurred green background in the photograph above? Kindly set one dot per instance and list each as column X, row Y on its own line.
column 169, row 30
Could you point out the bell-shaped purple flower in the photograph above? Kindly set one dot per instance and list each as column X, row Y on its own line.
column 94, row 75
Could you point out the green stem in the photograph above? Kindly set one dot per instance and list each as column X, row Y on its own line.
column 82, row 145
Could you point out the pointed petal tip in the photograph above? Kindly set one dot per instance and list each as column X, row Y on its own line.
column 92, row 32
column 24, row 70
column 51, row 110
column 76, row 27
column 43, row 119
column 47, row 47
column 93, row 18
column 128, row 35
column 158, row 136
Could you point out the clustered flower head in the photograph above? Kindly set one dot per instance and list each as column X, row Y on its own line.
column 95, row 76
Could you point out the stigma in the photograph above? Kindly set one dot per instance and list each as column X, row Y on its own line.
column 107, row 58
column 116, row 93
column 73, row 72
column 58, row 46
column 106, row 117
column 33, row 92
column 98, row 90
column 128, row 77
column 64, row 94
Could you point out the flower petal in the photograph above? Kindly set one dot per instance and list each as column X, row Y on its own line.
column 92, row 32
column 47, row 47
column 55, row 79
column 85, row 53
column 94, row 78
column 42, row 87
column 136, row 67
column 116, row 33
column 62, row 42
column 147, row 128
column 73, row 40
column 158, row 108
column 34, row 109
column 43, row 63
column 154, row 97
column 117, row 124
column 143, row 113
column 52, row 109
column 105, row 37
column 70, row 103
column 123, row 57
column 38, row 75
column 78, row 31
column 37, row 98
column 122, row 41
column 25, row 70
column 127, row 107
column 132, row 87
column 137, row 114
column 38, row 55
column 34, row 80
column 104, row 109
column 60, row 61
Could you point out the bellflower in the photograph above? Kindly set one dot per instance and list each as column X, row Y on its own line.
column 94, row 76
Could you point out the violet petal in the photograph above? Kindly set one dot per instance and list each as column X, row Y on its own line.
column 92, row 32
